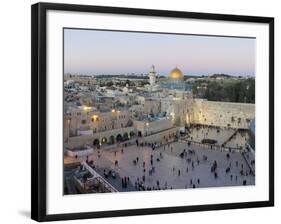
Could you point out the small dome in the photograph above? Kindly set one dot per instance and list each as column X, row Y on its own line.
column 176, row 74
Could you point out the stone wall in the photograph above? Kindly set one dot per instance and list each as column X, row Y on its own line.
column 161, row 137
column 149, row 127
column 79, row 153
column 178, row 109
column 223, row 114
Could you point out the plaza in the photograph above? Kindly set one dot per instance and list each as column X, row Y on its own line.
column 171, row 171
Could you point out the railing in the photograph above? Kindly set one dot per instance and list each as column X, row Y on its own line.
column 98, row 177
column 236, row 131
column 213, row 147
column 159, row 132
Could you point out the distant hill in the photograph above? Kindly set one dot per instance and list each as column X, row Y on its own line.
column 209, row 76
column 220, row 76
column 123, row 76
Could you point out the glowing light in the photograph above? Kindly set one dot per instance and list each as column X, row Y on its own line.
column 86, row 108
column 113, row 110
column 187, row 118
column 95, row 118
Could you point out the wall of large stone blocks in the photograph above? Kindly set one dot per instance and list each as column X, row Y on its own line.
column 179, row 109
column 224, row 114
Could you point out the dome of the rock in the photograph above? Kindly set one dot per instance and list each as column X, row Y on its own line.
column 176, row 74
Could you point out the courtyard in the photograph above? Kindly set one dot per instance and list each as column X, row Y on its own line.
column 176, row 165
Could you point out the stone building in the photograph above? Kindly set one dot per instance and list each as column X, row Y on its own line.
column 156, row 114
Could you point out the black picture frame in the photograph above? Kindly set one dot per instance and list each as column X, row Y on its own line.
column 39, row 107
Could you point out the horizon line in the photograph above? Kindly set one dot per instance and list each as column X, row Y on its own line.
column 146, row 74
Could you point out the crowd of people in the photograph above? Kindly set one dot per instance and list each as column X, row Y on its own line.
column 147, row 180
column 147, row 164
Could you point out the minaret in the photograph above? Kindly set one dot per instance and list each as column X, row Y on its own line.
column 152, row 76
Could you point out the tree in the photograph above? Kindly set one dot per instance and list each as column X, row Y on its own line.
column 233, row 91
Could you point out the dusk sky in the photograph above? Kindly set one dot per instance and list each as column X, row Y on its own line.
column 93, row 52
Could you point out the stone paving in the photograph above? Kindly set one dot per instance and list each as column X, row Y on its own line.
column 172, row 171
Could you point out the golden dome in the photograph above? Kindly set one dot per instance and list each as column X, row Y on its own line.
column 176, row 74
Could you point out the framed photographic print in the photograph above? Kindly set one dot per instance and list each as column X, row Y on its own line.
column 140, row 111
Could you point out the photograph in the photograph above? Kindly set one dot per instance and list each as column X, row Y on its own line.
column 156, row 111
column 140, row 112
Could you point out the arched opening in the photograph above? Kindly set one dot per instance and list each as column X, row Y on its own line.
column 125, row 136
column 132, row 134
column 96, row 142
column 111, row 140
column 119, row 138
column 104, row 140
